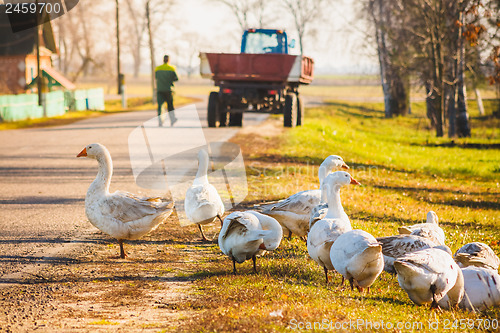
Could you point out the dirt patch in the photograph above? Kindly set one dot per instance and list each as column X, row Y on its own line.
column 93, row 292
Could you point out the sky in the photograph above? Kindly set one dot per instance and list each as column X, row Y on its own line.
column 338, row 47
column 339, row 44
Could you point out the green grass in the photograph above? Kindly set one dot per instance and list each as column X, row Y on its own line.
column 405, row 172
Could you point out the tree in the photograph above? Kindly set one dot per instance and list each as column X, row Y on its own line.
column 305, row 14
column 432, row 40
column 249, row 13
column 392, row 57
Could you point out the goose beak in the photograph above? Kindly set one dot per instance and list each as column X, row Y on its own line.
column 262, row 246
column 354, row 182
column 82, row 153
column 344, row 166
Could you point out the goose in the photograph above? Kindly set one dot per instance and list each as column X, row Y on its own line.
column 477, row 254
column 121, row 215
column 397, row 246
column 324, row 232
column 428, row 275
column 357, row 256
column 430, row 229
column 482, row 289
column 245, row 235
column 293, row 213
column 203, row 203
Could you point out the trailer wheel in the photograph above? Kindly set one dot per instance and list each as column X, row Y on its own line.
column 300, row 111
column 290, row 111
column 236, row 119
column 213, row 109
column 222, row 117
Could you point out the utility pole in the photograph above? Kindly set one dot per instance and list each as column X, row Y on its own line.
column 121, row 77
column 38, row 70
column 151, row 50
column 118, row 46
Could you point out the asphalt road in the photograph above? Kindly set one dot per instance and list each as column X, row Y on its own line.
column 43, row 184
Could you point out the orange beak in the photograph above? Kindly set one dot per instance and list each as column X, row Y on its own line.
column 354, row 182
column 82, row 153
column 262, row 246
column 344, row 166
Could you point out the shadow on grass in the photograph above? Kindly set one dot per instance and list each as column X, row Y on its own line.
column 364, row 111
column 464, row 145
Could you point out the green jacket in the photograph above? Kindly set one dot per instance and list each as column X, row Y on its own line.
column 165, row 77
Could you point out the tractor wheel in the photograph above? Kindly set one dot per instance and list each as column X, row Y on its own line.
column 236, row 119
column 213, row 109
column 290, row 111
column 300, row 111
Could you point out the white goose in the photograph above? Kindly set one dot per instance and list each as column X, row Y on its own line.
column 430, row 229
column 203, row 203
column 358, row 257
column 319, row 211
column 429, row 274
column 324, row 232
column 477, row 254
column 244, row 235
column 294, row 212
column 121, row 215
column 482, row 289
column 397, row 246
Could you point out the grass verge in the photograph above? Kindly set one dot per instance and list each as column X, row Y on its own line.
column 405, row 172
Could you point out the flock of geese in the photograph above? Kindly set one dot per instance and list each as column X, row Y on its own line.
column 425, row 266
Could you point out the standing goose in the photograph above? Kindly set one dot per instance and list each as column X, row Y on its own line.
column 482, row 289
column 121, row 215
column 430, row 229
column 477, row 254
column 324, row 232
column 428, row 275
column 319, row 211
column 358, row 257
column 203, row 203
column 294, row 212
column 244, row 235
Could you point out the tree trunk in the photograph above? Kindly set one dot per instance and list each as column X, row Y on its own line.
column 399, row 91
column 451, row 110
column 382, row 57
column 463, row 116
column 479, row 100
column 151, row 51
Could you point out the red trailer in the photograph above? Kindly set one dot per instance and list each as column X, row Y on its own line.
column 256, row 82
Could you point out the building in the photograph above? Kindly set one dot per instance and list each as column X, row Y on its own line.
column 18, row 58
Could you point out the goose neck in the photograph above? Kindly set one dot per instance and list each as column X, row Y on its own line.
column 201, row 174
column 335, row 209
column 104, row 174
column 273, row 240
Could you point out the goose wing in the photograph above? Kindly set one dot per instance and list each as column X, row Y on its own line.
column 127, row 207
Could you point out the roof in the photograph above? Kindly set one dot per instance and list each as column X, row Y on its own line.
column 55, row 79
column 23, row 42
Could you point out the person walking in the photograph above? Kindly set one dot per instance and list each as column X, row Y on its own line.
column 165, row 77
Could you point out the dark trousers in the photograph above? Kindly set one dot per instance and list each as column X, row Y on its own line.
column 165, row 96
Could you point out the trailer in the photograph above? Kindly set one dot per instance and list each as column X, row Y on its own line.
column 263, row 78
